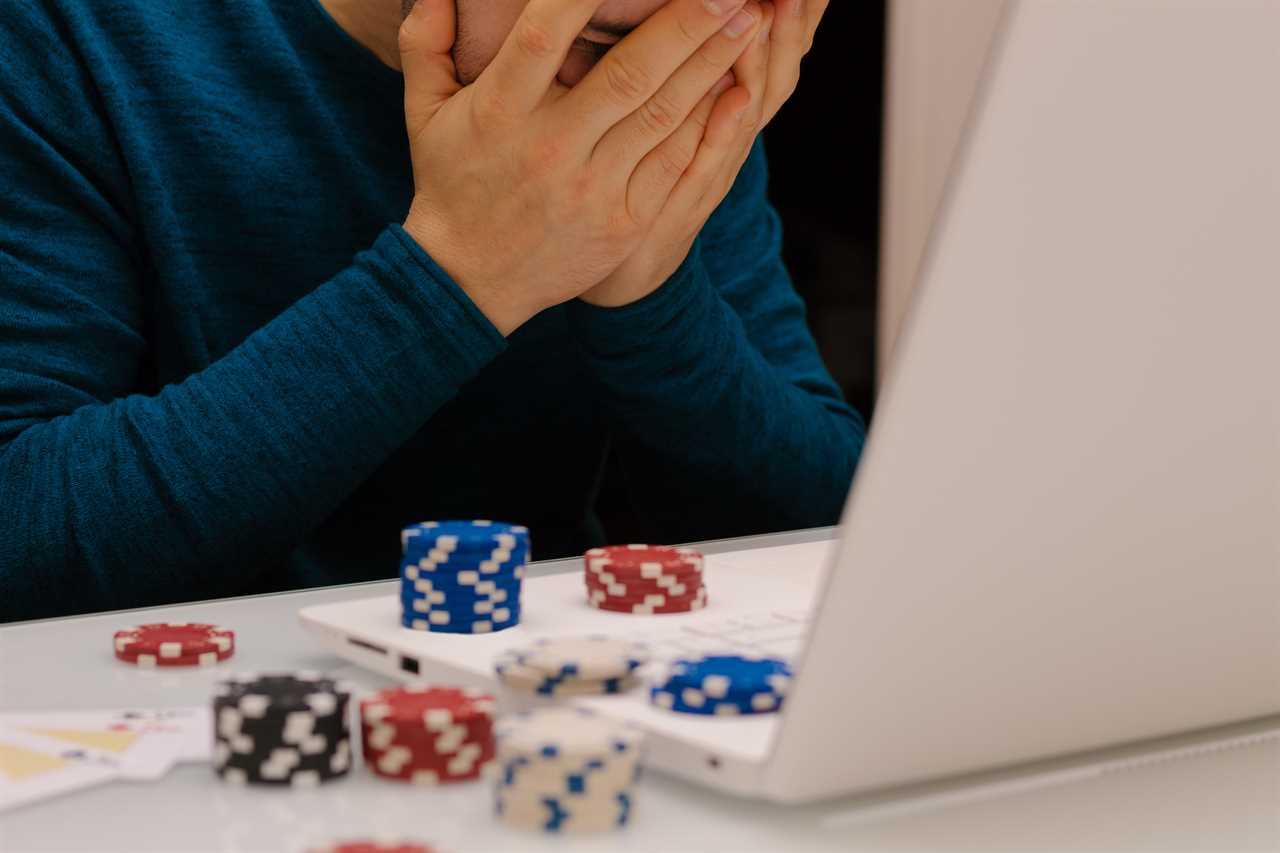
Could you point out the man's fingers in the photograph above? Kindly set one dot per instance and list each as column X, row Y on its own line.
column 752, row 71
column 631, row 140
column 639, row 65
column 520, row 76
column 426, row 42
column 693, row 192
column 659, row 172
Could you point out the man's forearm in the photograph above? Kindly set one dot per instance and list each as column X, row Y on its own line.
column 720, row 437
column 163, row 497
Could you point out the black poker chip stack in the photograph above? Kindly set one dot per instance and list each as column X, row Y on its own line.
column 281, row 729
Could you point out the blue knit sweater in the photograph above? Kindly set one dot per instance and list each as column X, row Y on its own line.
column 225, row 369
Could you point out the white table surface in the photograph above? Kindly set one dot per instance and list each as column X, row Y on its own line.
column 1228, row 800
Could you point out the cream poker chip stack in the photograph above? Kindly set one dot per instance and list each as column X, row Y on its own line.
column 566, row 770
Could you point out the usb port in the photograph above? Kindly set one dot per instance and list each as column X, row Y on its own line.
column 409, row 665
column 370, row 646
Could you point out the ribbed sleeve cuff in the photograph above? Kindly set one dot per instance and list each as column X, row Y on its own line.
column 460, row 325
column 663, row 318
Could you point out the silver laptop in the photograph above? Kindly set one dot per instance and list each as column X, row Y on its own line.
column 1064, row 537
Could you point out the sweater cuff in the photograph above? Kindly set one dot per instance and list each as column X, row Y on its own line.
column 642, row 324
column 475, row 339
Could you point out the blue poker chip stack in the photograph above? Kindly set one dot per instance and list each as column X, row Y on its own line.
column 462, row 577
column 724, row 685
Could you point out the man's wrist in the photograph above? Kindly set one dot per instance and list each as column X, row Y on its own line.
column 631, row 283
column 501, row 311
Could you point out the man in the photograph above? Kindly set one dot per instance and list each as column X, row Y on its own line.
column 222, row 371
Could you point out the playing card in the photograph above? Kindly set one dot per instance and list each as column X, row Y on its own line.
column 34, row 768
column 145, row 743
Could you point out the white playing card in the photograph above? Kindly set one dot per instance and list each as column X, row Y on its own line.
column 34, row 768
column 145, row 742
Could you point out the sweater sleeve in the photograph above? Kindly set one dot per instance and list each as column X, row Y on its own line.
column 724, row 417
column 110, row 498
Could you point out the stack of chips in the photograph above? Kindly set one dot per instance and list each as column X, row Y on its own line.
column 566, row 770
column 462, row 577
column 427, row 735
column 572, row 666
column 281, row 729
column 725, row 685
column 645, row 579
column 174, row 644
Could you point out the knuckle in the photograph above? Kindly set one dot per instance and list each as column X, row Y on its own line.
column 710, row 61
column 659, row 115
column 688, row 33
column 406, row 40
column 621, row 228
column 534, row 38
column 627, row 81
column 672, row 164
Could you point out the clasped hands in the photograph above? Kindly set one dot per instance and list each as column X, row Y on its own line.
column 530, row 193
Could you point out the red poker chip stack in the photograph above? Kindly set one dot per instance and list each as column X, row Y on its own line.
column 174, row 644
column 645, row 579
column 428, row 735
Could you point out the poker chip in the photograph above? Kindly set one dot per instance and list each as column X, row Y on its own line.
column 566, row 770
column 563, row 815
column 446, row 537
column 462, row 577
column 572, row 666
column 146, row 659
column 281, row 729
column 643, row 558
column 427, row 735
column 695, row 603
column 668, row 585
column 453, row 622
column 644, row 579
column 591, row 656
column 724, row 685
column 653, row 599
column 174, row 644
column 364, row 846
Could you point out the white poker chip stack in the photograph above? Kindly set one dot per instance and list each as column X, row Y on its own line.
column 566, row 770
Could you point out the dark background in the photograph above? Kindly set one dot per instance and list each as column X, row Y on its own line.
column 824, row 155
column 824, row 152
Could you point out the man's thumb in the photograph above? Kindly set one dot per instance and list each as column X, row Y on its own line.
column 426, row 44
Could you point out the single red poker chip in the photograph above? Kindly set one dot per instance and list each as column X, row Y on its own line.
column 174, row 639
column 148, row 659
column 602, row 593
column 382, row 736
column 408, row 765
column 647, row 573
column 697, row 603
column 640, row 589
column 634, row 557
column 596, row 599
column 431, row 708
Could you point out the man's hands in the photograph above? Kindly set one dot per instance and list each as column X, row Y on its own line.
column 530, row 193
column 766, row 76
